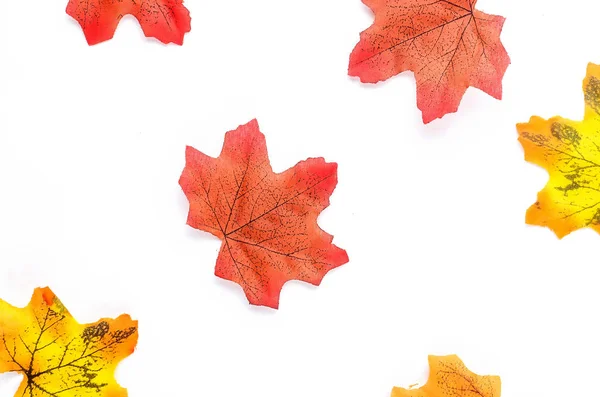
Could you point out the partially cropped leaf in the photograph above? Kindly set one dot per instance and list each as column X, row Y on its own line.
column 59, row 357
column 267, row 221
column 570, row 152
column 448, row 44
column 449, row 377
column 165, row 20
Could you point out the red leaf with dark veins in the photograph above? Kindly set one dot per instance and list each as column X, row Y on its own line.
column 449, row 45
column 165, row 20
column 267, row 221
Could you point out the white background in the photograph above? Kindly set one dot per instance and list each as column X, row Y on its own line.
column 92, row 144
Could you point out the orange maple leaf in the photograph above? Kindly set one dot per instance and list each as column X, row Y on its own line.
column 58, row 356
column 267, row 221
column 570, row 152
column 448, row 376
column 449, row 45
column 165, row 20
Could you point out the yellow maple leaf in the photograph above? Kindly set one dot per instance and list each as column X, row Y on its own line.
column 449, row 377
column 570, row 152
column 59, row 357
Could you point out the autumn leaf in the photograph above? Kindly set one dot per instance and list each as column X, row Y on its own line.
column 267, row 221
column 165, row 20
column 448, row 376
column 59, row 357
column 449, row 45
column 570, row 152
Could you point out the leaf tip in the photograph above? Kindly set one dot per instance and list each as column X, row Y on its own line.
column 192, row 157
column 46, row 293
column 560, row 234
column 428, row 116
column 592, row 69
column 426, row 119
column 251, row 126
column 189, row 150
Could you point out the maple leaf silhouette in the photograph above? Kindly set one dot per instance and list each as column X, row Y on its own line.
column 165, row 20
column 59, row 357
column 570, row 152
column 449, row 377
column 449, row 45
column 267, row 221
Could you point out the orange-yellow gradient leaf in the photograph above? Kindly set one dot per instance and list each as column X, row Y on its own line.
column 57, row 356
column 570, row 152
column 449, row 377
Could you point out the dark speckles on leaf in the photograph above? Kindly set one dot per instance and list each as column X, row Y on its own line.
column 88, row 383
column 566, row 134
column 538, row 139
column 95, row 332
column 120, row 334
column 449, row 45
column 592, row 94
column 574, row 185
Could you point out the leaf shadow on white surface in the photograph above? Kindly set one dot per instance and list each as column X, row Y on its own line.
column 437, row 128
column 232, row 288
column 74, row 24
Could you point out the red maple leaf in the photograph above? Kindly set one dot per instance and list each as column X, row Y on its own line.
column 267, row 221
column 166, row 20
column 449, row 45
